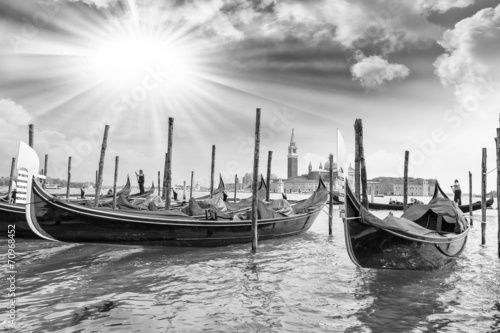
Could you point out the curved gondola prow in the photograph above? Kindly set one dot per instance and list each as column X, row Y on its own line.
column 28, row 165
column 352, row 207
column 438, row 192
column 321, row 183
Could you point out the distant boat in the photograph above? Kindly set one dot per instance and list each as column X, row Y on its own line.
column 50, row 186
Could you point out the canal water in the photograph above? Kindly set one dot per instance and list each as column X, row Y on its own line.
column 305, row 283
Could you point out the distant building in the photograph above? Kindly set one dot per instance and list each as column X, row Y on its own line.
column 293, row 158
column 395, row 186
column 306, row 182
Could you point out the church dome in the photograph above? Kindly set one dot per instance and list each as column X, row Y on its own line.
column 327, row 165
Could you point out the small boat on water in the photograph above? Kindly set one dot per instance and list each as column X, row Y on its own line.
column 50, row 186
column 399, row 206
column 59, row 220
column 426, row 237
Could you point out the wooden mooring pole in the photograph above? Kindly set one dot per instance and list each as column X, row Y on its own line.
column 11, row 178
column 101, row 165
column 498, row 187
column 358, row 125
column 483, row 198
column 405, row 181
column 470, row 199
column 45, row 166
column 330, row 203
column 184, row 191
column 255, row 233
column 31, row 135
column 115, row 179
column 235, row 186
column 191, row 188
column 69, row 177
column 159, row 188
column 268, row 179
column 164, row 197
column 212, row 171
column 357, row 174
column 169, row 161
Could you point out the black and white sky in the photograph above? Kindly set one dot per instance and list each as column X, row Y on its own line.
column 423, row 75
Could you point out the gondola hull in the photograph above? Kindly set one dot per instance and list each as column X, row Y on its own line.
column 383, row 250
column 62, row 221
column 372, row 247
column 14, row 214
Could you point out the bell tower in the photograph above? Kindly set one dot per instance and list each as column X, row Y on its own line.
column 293, row 158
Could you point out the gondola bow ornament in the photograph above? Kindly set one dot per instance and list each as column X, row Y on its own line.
column 342, row 171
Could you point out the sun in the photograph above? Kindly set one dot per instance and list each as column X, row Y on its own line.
column 127, row 60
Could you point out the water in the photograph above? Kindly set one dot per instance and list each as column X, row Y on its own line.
column 305, row 283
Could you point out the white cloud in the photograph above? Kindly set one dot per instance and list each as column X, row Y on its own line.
column 97, row 3
column 374, row 70
column 14, row 121
column 442, row 5
column 471, row 59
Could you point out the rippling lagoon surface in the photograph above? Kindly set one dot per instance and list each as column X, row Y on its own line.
column 305, row 283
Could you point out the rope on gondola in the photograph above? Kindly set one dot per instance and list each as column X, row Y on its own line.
column 491, row 171
column 323, row 210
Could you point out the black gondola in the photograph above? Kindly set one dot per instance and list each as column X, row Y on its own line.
column 425, row 237
column 464, row 208
column 60, row 220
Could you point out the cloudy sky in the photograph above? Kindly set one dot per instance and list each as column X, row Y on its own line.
column 423, row 75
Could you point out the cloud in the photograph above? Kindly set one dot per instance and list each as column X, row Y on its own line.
column 373, row 71
column 14, row 120
column 98, row 3
column 471, row 59
column 442, row 6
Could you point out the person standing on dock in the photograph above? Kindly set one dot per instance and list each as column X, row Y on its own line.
column 458, row 192
column 140, row 180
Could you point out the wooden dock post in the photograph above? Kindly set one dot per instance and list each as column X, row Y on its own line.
column 498, row 186
column 212, row 171
column 268, row 179
column 45, row 166
column 69, row 177
column 235, row 186
column 101, row 165
column 470, row 199
column 483, row 198
column 330, row 203
column 11, row 178
column 169, row 161
column 191, row 188
column 31, row 134
column 405, row 181
column 159, row 184
column 115, row 179
column 96, row 177
column 357, row 173
column 164, row 197
column 184, row 191
column 255, row 232
column 358, row 125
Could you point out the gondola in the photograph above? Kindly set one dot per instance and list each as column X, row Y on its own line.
column 59, row 220
column 464, row 208
column 141, row 195
column 425, row 237
column 14, row 214
column 125, row 190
